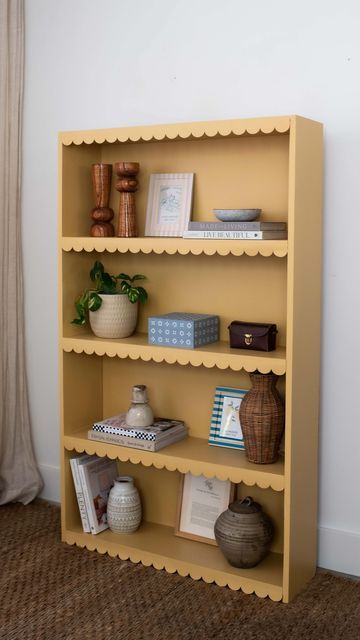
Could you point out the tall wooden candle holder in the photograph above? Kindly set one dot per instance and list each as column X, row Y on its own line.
column 101, row 213
column 127, row 184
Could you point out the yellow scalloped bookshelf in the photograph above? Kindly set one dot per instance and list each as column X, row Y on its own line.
column 270, row 163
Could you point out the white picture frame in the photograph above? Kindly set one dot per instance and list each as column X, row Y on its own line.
column 201, row 501
column 225, row 428
column 169, row 204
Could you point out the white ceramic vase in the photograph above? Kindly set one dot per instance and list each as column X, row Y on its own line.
column 140, row 413
column 116, row 318
column 124, row 506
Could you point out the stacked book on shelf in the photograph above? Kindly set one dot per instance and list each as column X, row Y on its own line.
column 255, row 230
column 161, row 433
column 93, row 478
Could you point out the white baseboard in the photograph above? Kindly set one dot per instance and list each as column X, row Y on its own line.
column 339, row 550
column 51, row 479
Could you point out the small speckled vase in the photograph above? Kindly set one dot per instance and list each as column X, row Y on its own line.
column 244, row 533
column 124, row 506
column 140, row 413
column 116, row 318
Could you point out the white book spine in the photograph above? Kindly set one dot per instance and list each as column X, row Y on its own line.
column 235, row 235
column 133, row 443
column 88, row 499
column 74, row 464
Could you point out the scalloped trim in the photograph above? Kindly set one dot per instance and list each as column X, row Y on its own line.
column 170, row 566
column 162, row 460
column 181, row 131
column 183, row 357
column 171, row 246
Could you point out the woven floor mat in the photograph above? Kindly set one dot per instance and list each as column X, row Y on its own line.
column 52, row 591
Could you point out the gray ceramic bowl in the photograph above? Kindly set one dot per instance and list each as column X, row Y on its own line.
column 236, row 215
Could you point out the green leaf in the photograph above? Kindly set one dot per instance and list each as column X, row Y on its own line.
column 79, row 308
column 79, row 321
column 133, row 294
column 138, row 276
column 108, row 284
column 143, row 296
column 124, row 276
column 124, row 286
column 95, row 302
column 96, row 271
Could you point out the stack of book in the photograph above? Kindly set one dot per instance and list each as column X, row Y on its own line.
column 237, row 230
column 160, row 434
column 93, row 478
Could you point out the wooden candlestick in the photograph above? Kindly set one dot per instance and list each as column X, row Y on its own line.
column 101, row 213
column 127, row 184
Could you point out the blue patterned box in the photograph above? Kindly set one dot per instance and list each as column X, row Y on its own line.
column 183, row 330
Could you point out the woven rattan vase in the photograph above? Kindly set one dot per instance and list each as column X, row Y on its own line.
column 262, row 419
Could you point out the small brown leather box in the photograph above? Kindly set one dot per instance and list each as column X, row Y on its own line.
column 260, row 336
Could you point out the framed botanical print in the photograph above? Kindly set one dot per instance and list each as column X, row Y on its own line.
column 201, row 501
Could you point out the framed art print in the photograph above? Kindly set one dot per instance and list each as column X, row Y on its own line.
column 225, row 428
column 201, row 501
column 169, row 204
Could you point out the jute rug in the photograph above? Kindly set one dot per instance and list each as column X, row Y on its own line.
column 51, row 591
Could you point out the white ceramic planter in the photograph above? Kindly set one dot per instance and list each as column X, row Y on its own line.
column 116, row 318
column 124, row 506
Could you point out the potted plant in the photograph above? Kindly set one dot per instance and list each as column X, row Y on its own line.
column 111, row 305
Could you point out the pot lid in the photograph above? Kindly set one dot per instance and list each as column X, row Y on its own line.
column 246, row 505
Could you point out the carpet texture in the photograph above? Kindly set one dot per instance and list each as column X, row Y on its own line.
column 51, row 591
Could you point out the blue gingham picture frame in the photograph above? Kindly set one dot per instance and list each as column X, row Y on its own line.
column 225, row 429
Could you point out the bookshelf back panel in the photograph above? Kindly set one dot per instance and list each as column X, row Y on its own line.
column 235, row 288
column 82, row 390
column 272, row 503
column 174, row 391
column 234, row 172
column 98, row 387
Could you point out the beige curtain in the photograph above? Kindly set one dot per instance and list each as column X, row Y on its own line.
column 19, row 478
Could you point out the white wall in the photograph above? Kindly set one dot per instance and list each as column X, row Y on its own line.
column 92, row 64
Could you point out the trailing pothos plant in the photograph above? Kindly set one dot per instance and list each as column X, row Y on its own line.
column 104, row 282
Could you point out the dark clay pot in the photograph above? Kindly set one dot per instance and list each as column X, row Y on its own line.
column 244, row 533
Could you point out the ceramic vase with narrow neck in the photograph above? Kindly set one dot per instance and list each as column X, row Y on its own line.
column 140, row 413
column 124, row 506
column 262, row 419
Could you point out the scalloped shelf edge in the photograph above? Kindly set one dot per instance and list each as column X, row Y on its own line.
column 221, row 362
column 277, row 483
column 180, row 131
column 235, row 584
column 208, row 248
